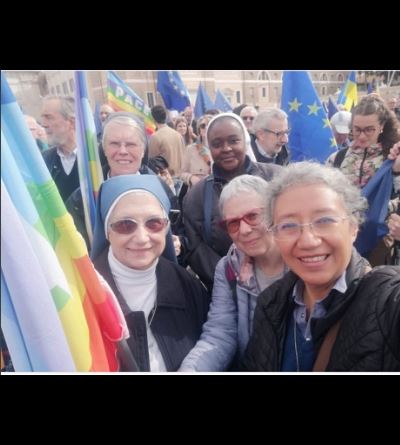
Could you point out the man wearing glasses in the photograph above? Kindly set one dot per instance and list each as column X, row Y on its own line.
column 272, row 132
column 248, row 114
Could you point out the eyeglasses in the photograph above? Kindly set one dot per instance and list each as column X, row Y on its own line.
column 202, row 126
column 128, row 226
column 246, row 118
column 278, row 134
column 322, row 226
column 369, row 131
column 252, row 218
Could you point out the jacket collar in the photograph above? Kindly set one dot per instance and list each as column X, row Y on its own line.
column 168, row 293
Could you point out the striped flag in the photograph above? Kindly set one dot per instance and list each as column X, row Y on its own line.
column 122, row 98
column 89, row 165
column 348, row 95
column 91, row 318
column 32, row 344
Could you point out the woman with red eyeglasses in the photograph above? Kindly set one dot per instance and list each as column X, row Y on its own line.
column 252, row 264
column 164, row 306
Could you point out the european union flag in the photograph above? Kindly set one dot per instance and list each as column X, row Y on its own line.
column 222, row 103
column 348, row 95
column 311, row 136
column 173, row 91
column 378, row 192
column 203, row 102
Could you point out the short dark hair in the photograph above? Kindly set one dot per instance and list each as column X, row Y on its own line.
column 159, row 114
column 212, row 111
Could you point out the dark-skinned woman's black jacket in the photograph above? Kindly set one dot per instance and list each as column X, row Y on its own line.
column 368, row 339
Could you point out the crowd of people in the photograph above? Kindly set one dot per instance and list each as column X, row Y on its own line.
column 226, row 256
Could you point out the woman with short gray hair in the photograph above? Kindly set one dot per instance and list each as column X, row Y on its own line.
column 252, row 264
column 331, row 312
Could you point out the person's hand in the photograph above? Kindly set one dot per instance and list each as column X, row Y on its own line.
column 394, row 226
column 194, row 179
column 166, row 176
column 394, row 155
column 177, row 244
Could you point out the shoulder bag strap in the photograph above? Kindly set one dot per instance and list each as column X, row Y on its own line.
column 208, row 201
column 325, row 350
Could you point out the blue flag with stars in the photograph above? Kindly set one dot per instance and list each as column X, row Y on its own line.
column 203, row 102
column 222, row 103
column 173, row 91
column 311, row 136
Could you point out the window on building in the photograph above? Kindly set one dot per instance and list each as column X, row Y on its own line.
column 150, row 99
column 264, row 92
column 238, row 97
column 340, row 77
column 58, row 89
column 323, row 91
column 71, row 85
column 324, row 77
column 264, row 76
column 65, row 88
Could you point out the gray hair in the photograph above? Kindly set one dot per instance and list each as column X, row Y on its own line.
column 248, row 108
column 264, row 118
column 242, row 184
column 126, row 121
column 67, row 105
column 305, row 173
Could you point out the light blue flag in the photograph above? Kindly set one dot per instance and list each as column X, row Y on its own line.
column 173, row 91
column 222, row 103
column 203, row 102
column 311, row 136
column 29, row 318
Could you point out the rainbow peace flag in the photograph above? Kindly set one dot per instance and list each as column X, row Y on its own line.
column 45, row 265
column 89, row 165
column 122, row 98
column 348, row 95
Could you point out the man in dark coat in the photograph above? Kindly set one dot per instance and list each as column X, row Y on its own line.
column 58, row 119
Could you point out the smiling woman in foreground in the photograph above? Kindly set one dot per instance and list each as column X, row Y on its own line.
column 331, row 312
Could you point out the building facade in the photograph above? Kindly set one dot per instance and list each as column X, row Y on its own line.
column 261, row 88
